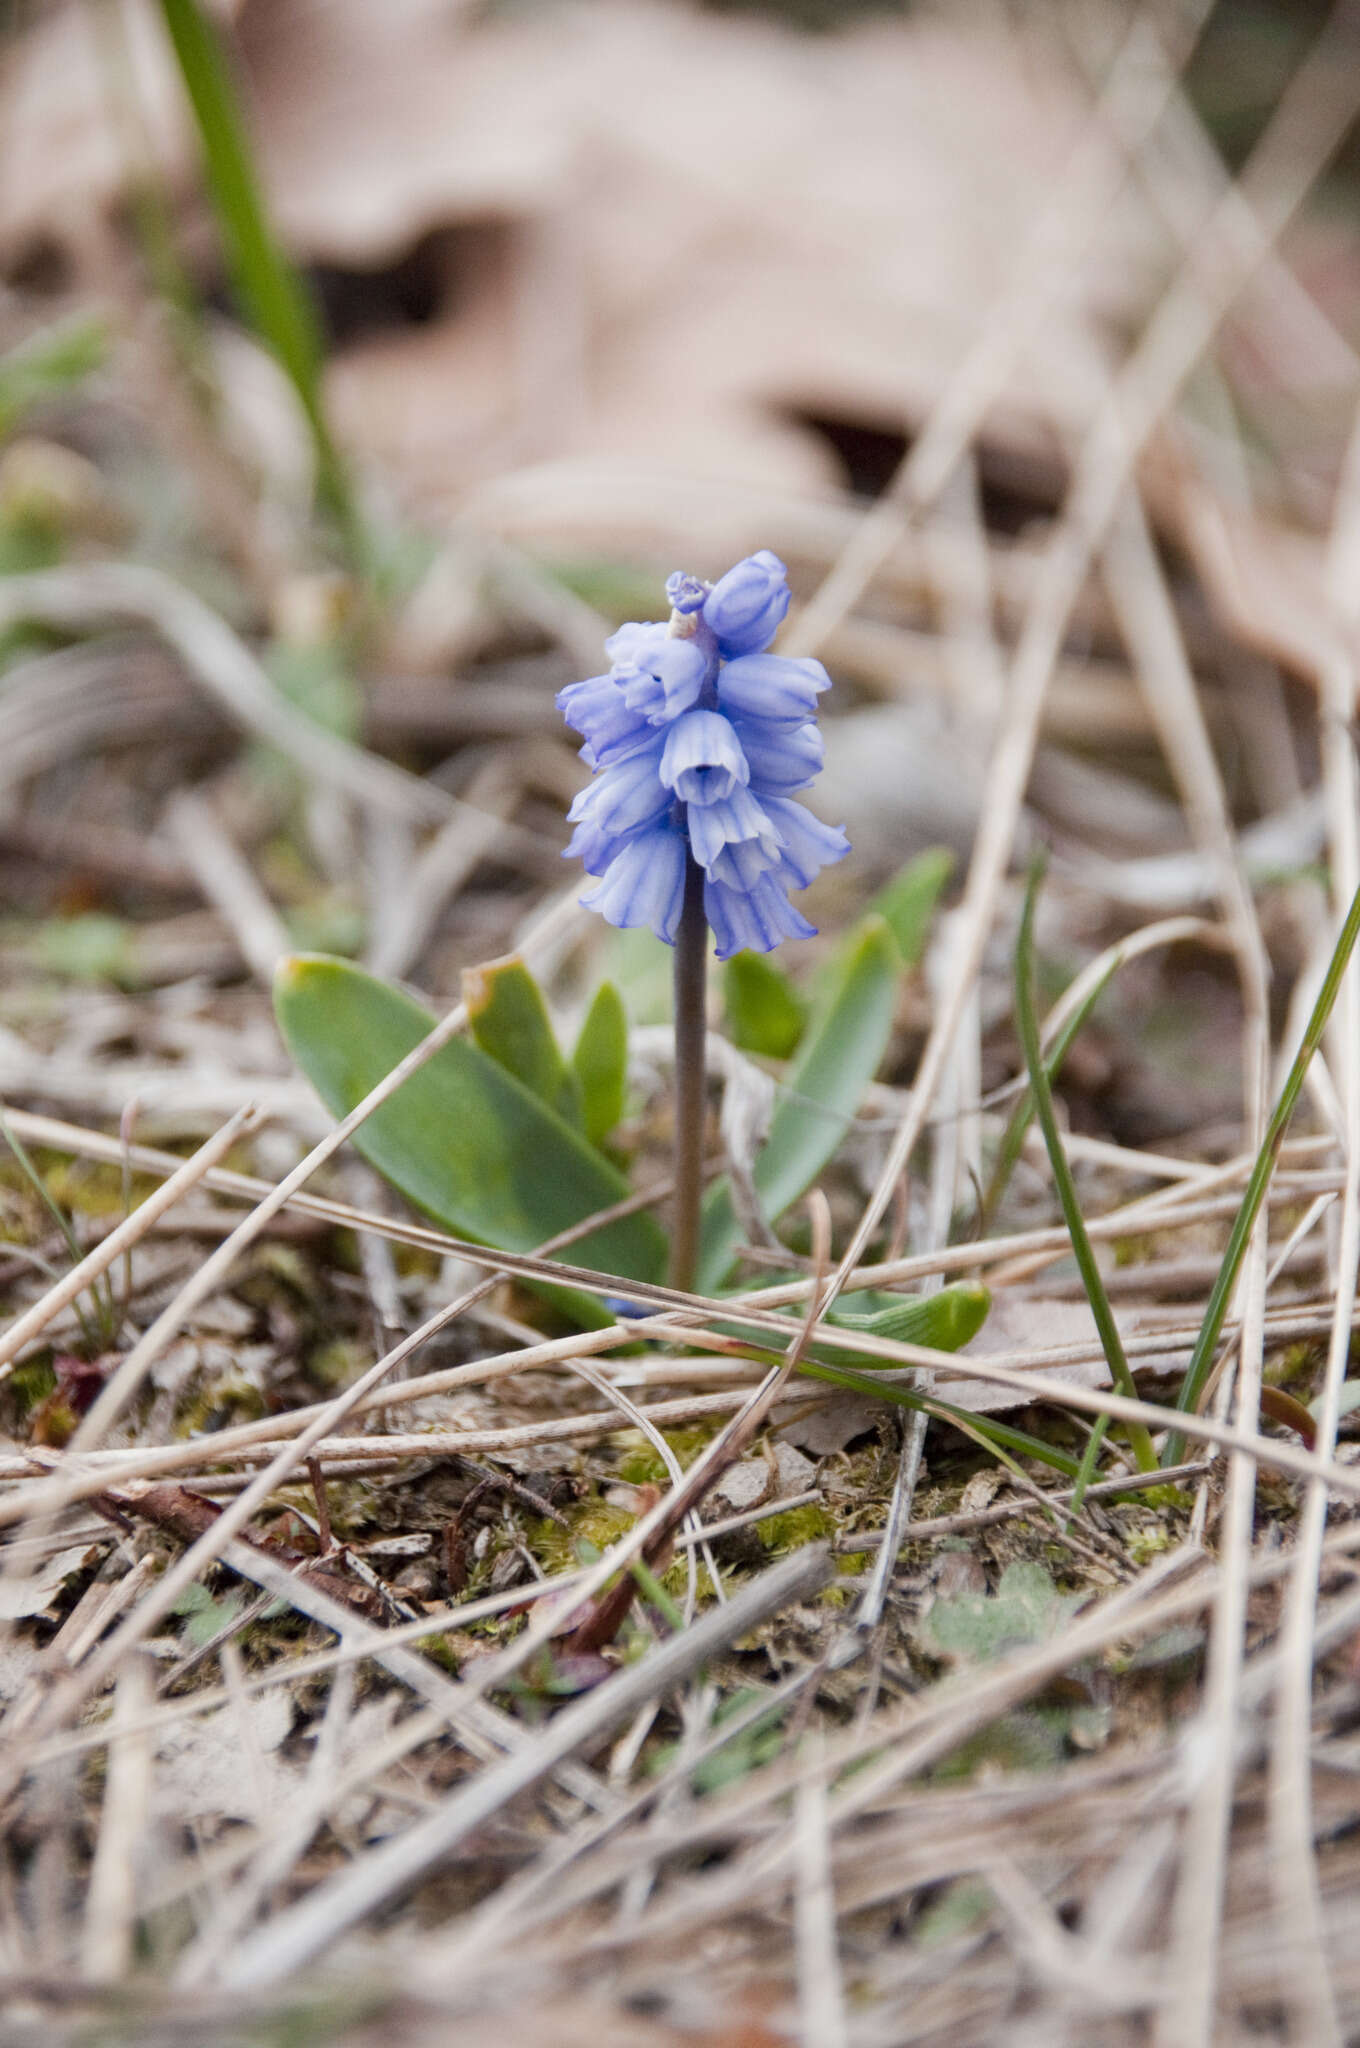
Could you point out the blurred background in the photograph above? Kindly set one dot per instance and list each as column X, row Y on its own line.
column 421, row 340
column 363, row 363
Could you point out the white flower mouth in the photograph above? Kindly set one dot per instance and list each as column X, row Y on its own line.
column 703, row 760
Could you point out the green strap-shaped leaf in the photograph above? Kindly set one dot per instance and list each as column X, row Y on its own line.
column 999, row 1437
column 907, row 903
column 944, row 1321
column 600, row 1063
column 839, row 1058
column 509, row 1020
column 765, row 1013
column 466, row 1141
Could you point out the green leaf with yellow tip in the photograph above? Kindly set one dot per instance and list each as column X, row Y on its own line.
column 509, row 1020
column 462, row 1138
column 600, row 1063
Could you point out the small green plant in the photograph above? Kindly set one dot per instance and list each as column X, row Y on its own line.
column 974, row 1628
column 97, row 1310
column 1206, row 1344
column 1042, row 1091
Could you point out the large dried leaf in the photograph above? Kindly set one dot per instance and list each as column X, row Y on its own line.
column 697, row 283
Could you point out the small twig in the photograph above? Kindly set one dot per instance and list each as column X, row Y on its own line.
column 515, row 1488
column 1010, row 1510
column 33, row 1321
column 188, row 1517
column 325, row 1536
column 111, row 1903
column 297, row 1935
column 603, row 1620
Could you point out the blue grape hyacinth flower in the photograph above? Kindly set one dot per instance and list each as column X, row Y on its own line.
column 699, row 739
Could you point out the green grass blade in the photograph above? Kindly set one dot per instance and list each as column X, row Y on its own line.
column 1202, row 1358
column 1013, row 1138
column 945, row 1321
column 1028, row 1023
column 272, row 294
column 655, row 1594
column 1090, row 1457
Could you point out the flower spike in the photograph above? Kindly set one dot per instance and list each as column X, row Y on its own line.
column 698, row 736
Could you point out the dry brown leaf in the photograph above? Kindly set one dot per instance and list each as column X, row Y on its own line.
column 21, row 1598
column 1018, row 1322
column 551, row 231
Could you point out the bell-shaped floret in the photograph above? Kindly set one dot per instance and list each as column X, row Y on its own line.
column 808, row 845
column 703, row 761
column 645, row 883
column 772, row 687
column 735, row 820
column 746, row 607
column 594, row 846
column 660, row 675
column 668, row 683
column 781, row 758
column 742, row 862
column 752, row 920
column 627, row 795
column 598, row 710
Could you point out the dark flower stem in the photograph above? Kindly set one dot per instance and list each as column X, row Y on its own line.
column 691, row 963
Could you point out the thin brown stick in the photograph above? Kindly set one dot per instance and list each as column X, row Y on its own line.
column 298, row 1934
